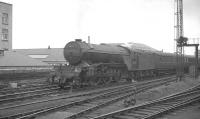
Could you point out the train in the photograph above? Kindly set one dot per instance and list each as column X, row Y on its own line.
column 101, row 64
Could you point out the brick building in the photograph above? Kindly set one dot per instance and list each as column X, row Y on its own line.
column 5, row 26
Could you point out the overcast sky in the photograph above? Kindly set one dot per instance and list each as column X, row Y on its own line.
column 39, row 23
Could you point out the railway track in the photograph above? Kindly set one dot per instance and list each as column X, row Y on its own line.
column 106, row 102
column 32, row 92
column 23, row 89
column 95, row 100
column 156, row 108
column 38, row 92
column 60, row 103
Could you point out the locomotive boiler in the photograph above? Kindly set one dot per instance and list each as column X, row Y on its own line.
column 76, row 52
column 92, row 64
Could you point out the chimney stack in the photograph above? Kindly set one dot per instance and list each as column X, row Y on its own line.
column 88, row 39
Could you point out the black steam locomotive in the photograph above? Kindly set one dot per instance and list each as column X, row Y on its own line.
column 92, row 64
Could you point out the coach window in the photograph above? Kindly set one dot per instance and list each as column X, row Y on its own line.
column 5, row 18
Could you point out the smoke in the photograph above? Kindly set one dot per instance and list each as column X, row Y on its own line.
column 84, row 6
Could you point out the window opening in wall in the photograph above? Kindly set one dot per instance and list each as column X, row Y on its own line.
column 5, row 18
column 1, row 52
column 5, row 34
column 5, row 49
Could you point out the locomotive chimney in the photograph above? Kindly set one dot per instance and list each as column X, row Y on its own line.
column 78, row 40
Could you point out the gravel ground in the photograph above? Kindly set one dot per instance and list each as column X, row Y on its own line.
column 190, row 112
column 165, row 90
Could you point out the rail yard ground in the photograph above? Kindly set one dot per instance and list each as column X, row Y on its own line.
column 191, row 112
column 22, row 83
column 149, row 95
column 152, row 94
column 165, row 90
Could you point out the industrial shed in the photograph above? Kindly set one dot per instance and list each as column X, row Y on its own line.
column 14, row 65
column 52, row 56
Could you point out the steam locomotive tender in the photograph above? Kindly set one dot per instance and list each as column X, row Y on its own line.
column 92, row 64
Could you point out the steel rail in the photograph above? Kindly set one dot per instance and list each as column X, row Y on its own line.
column 44, row 110
column 181, row 104
column 36, row 112
column 111, row 101
column 158, row 106
column 26, row 95
column 30, row 96
column 18, row 90
column 68, row 96
column 125, row 87
column 11, row 97
column 26, row 92
column 83, row 101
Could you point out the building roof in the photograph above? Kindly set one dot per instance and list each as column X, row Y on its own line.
column 12, row 58
column 5, row 3
column 44, row 54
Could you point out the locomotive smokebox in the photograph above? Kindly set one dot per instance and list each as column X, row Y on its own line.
column 74, row 50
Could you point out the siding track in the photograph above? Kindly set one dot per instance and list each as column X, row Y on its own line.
column 156, row 108
column 90, row 101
